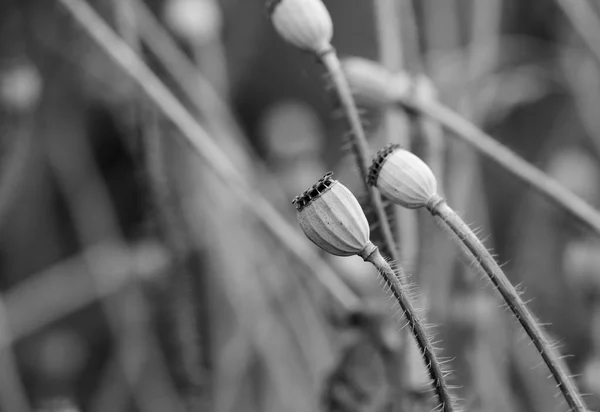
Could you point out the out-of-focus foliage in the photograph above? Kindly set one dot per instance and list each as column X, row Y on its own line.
column 132, row 279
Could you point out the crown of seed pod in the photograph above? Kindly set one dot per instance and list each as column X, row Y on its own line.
column 373, row 84
column 304, row 23
column 402, row 177
column 332, row 218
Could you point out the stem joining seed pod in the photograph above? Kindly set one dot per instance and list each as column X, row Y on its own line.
column 407, row 180
column 402, row 177
column 305, row 24
column 332, row 218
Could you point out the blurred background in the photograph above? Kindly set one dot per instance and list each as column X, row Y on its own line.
column 134, row 279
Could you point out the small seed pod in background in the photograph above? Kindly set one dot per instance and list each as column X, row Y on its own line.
column 20, row 87
column 196, row 21
column 372, row 84
column 305, row 24
column 402, row 177
column 332, row 218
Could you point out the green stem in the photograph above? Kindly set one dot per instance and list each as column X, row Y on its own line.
column 360, row 146
column 434, row 367
column 438, row 207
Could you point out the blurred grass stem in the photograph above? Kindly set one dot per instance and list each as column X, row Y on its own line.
column 396, row 124
column 486, row 144
column 585, row 21
column 215, row 158
column 13, row 396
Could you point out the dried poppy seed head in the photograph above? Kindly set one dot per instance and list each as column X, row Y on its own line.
column 332, row 218
column 321, row 185
column 373, row 84
column 304, row 23
column 402, row 177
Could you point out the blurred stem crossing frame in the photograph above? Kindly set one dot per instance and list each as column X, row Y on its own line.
column 207, row 149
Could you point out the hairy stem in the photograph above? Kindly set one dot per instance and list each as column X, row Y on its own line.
column 434, row 367
column 550, row 355
column 486, row 144
column 360, row 146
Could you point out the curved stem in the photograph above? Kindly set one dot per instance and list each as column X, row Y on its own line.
column 550, row 355
column 360, row 146
column 512, row 162
column 434, row 367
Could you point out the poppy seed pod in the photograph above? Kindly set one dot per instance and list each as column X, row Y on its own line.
column 403, row 178
column 332, row 218
column 304, row 23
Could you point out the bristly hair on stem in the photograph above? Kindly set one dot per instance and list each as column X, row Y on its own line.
column 402, row 296
column 407, row 180
column 331, row 217
column 440, row 209
column 360, row 146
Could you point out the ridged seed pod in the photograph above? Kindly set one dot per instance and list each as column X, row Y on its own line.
column 332, row 218
column 304, row 23
column 402, row 177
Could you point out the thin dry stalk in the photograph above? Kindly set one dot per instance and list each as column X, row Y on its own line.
column 396, row 123
column 585, row 21
column 86, row 194
column 205, row 99
column 15, row 164
column 214, row 157
column 210, row 59
column 191, row 307
column 486, row 144
column 360, row 145
column 65, row 288
column 439, row 208
column 13, row 396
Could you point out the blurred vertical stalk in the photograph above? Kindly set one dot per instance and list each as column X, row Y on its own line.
column 466, row 184
column 396, row 123
column 88, row 201
column 584, row 18
column 443, row 37
column 13, row 396
column 396, row 129
column 190, row 306
column 211, row 60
